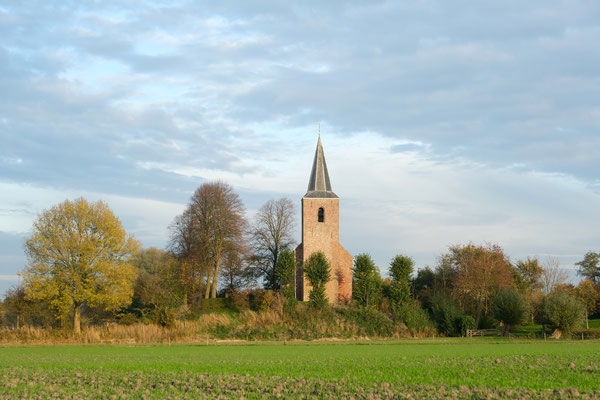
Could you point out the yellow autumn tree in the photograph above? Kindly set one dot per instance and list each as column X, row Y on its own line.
column 78, row 253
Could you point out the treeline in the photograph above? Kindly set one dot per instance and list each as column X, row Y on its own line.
column 477, row 287
column 84, row 269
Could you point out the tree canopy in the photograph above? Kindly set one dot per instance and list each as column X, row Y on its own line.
column 209, row 232
column 481, row 272
column 589, row 267
column 78, row 253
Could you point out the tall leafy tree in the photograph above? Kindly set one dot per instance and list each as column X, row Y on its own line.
column 564, row 312
column 78, row 253
column 366, row 281
column 318, row 272
column 588, row 295
column 192, row 254
column 401, row 269
column 285, row 271
column 589, row 267
column 509, row 307
column 158, row 283
column 272, row 232
column 529, row 273
column 481, row 272
column 212, row 227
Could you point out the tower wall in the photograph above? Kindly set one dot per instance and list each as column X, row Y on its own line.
column 324, row 236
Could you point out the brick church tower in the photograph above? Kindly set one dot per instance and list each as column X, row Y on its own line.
column 321, row 232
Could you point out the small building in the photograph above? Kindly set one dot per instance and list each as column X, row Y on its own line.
column 321, row 232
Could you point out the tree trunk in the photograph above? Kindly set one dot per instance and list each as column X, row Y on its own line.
column 77, row 319
column 215, row 279
column 587, row 320
column 208, row 283
column 478, row 313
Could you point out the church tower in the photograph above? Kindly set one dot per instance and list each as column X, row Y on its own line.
column 321, row 232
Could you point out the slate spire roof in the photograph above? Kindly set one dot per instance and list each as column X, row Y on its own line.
column 319, row 184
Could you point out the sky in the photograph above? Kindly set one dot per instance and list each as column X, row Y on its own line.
column 442, row 122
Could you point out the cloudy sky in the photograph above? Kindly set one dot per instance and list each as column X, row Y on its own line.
column 442, row 122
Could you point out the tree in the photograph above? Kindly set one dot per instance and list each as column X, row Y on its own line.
column 366, row 281
column 552, row 276
column 424, row 285
column 272, row 233
column 529, row 273
column 401, row 269
column 285, row 271
column 78, row 253
column 19, row 310
column 192, row 255
column 212, row 226
column 509, row 308
column 564, row 312
column 589, row 267
column 482, row 271
column 318, row 272
column 587, row 294
column 158, row 283
column 236, row 272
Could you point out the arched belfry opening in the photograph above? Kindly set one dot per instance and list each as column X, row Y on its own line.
column 321, row 214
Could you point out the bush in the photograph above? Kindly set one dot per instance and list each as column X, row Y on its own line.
column 218, row 304
column 164, row 316
column 371, row 321
column 464, row 323
column 564, row 312
column 239, row 299
column 509, row 308
column 445, row 313
column 415, row 318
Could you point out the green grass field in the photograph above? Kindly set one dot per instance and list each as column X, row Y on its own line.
column 466, row 368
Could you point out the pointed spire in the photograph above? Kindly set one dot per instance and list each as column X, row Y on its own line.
column 319, row 184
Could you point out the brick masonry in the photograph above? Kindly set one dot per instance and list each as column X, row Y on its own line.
column 324, row 236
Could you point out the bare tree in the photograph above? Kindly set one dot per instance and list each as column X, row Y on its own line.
column 272, row 232
column 552, row 275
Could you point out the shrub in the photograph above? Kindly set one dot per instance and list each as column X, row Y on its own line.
column 445, row 313
column 564, row 312
column 239, row 299
column 217, row 304
column 509, row 308
column 164, row 316
column 415, row 318
column 372, row 322
column 464, row 323
column 255, row 299
column 318, row 272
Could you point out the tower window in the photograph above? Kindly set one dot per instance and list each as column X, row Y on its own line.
column 321, row 214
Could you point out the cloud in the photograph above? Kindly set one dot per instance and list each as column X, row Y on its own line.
column 457, row 121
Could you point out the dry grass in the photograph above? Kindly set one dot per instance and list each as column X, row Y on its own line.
column 248, row 325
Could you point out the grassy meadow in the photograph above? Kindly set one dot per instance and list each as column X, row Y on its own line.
column 460, row 368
